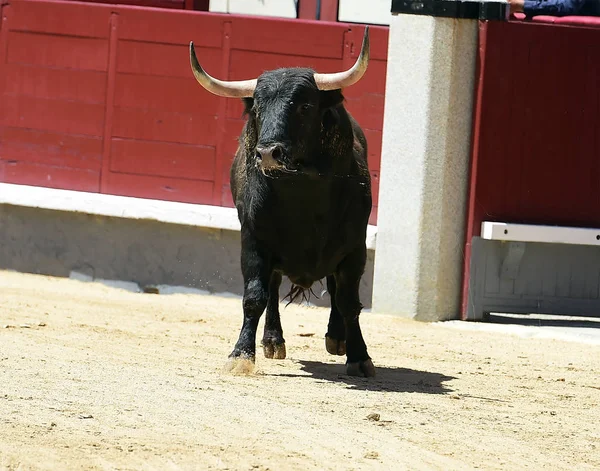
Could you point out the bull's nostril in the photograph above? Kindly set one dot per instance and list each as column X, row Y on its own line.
column 276, row 153
column 258, row 155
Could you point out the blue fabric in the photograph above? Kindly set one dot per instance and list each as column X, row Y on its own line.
column 561, row 7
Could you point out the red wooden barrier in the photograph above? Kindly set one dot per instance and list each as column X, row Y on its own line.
column 536, row 152
column 101, row 97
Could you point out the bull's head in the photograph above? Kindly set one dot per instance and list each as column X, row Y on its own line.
column 288, row 109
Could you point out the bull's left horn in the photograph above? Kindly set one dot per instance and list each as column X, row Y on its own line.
column 240, row 89
column 348, row 77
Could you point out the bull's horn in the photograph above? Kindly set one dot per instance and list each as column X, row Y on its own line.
column 240, row 89
column 350, row 76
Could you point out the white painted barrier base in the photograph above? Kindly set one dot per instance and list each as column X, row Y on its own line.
column 214, row 217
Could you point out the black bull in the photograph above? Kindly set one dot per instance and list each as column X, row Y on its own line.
column 302, row 189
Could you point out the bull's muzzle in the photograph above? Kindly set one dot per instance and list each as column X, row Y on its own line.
column 270, row 157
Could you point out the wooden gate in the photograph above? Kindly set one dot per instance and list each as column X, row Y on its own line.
column 101, row 98
column 536, row 151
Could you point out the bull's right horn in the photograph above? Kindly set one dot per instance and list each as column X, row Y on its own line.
column 239, row 89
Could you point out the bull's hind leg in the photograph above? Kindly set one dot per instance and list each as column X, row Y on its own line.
column 273, row 342
column 256, row 271
column 335, row 339
column 347, row 278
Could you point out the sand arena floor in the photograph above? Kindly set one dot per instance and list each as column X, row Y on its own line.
column 93, row 377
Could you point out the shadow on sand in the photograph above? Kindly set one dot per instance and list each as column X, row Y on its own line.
column 547, row 321
column 387, row 379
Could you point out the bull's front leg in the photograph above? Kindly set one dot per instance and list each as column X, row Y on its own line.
column 256, row 271
column 347, row 280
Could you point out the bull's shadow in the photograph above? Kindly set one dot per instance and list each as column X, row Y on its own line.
column 387, row 379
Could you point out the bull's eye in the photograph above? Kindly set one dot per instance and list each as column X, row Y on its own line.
column 304, row 107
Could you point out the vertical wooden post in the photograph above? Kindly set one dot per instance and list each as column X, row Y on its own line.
column 329, row 10
column 471, row 203
column 110, row 99
column 307, row 10
column 326, row 10
column 200, row 5
column 4, row 16
column 217, row 198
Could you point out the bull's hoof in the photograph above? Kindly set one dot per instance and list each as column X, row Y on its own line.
column 335, row 347
column 240, row 365
column 362, row 368
column 274, row 350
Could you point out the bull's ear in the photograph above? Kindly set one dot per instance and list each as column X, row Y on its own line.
column 248, row 105
column 330, row 98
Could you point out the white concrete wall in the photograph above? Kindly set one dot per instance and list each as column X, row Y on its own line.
column 424, row 166
column 149, row 242
column 278, row 8
column 362, row 11
column 353, row 11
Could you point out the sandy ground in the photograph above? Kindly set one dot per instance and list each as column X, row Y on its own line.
column 93, row 377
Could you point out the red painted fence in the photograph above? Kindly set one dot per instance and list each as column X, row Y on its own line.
column 101, row 98
column 536, row 147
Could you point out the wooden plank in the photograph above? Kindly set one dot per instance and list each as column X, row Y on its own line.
column 373, row 216
column 163, row 159
column 158, row 125
column 329, row 10
column 233, row 129
column 164, row 93
column 167, row 60
column 250, row 64
column 30, row 173
column 52, row 148
column 367, row 110
column 63, row 84
column 374, row 148
column 172, row 4
column 5, row 16
column 375, row 188
column 201, row 5
column 52, row 115
column 373, row 82
column 288, row 37
column 226, row 168
column 58, row 51
column 171, row 27
column 379, row 40
column 308, row 10
column 227, row 199
column 538, row 233
column 110, row 99
column 169, row 189
column 221, row 118
column 65, row 19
